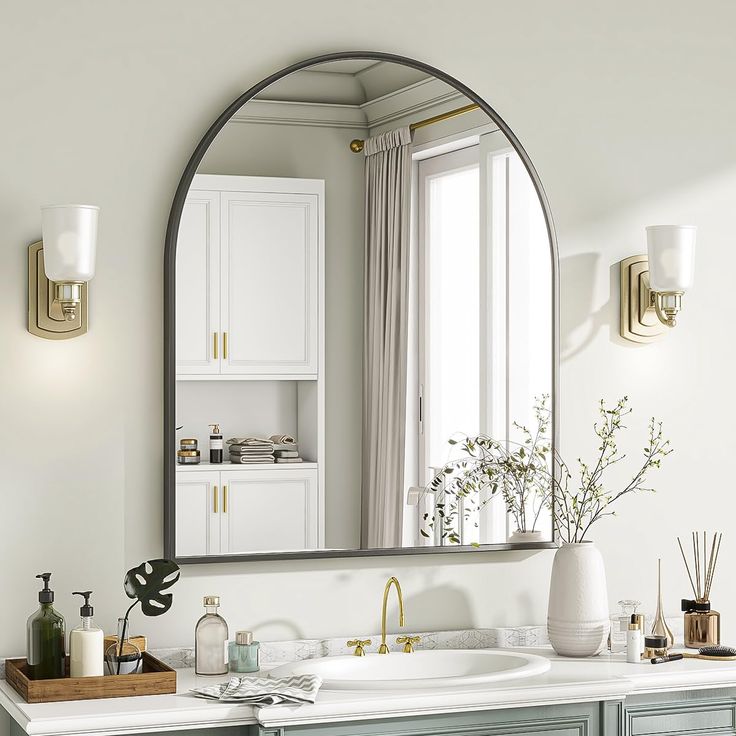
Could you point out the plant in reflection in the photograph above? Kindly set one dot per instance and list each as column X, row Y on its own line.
column 530, row 477
column 518, row 471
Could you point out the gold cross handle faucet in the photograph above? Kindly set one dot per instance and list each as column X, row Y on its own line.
column 359, row 644
column 408, row 642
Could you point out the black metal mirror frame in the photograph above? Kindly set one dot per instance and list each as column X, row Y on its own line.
column 170, row 319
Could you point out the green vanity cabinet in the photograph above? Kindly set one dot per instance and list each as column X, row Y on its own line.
column 690, row 713
column 580, row 719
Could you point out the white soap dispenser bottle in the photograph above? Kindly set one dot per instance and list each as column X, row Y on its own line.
column 86, row 644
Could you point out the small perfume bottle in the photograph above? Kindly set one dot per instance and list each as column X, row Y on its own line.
column 210, row 640
column 620, row 624
column 243, row 653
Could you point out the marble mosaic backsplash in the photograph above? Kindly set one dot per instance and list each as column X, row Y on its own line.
column 291, row 651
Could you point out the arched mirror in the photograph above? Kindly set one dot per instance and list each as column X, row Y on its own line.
column 361, row 310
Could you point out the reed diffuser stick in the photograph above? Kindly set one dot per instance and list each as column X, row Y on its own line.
column 696, row 565
column 715, row 562
column 710, row 565
column 705, row 560
column 687, row 567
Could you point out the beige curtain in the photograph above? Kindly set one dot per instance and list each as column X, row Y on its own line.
column 386, row 285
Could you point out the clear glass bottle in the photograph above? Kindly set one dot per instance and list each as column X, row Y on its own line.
column 620, row 625
column 210, row 640
column 243, row 653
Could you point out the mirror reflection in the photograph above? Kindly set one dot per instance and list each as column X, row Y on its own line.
column 364, row 285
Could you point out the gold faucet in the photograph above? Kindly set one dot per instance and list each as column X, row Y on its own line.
column 408, row 642
column 383, row 649
column 359, row 645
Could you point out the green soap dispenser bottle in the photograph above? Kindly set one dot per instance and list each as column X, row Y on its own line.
column 45, row 637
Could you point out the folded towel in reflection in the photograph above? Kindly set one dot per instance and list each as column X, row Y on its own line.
column 263, row 690
column 286, row 453
column 247, row 459
column 288, row 459
column 250, row 450
column 282, row 439
column 250, row 442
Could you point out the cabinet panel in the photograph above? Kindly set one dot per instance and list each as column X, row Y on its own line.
column 270, row 282
column 197, row 516
column 198, row 285
column 270, row 510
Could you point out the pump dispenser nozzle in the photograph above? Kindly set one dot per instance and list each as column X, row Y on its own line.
column 86, row 611
column 46, row 595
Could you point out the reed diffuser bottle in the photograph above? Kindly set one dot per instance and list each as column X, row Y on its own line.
column 702, row 623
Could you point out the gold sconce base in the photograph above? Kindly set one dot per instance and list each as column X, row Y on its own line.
column 639, row 320
column 48, row 317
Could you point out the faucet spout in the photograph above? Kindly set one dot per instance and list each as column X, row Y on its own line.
column 383, row 649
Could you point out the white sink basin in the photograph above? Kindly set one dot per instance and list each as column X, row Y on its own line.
column 423, row 669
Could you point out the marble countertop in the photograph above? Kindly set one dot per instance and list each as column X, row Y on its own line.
column 606, row 677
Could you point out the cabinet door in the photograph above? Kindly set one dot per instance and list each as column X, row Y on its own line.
column 270, row 282
column 274, row 510
column 198, row 285
column 197, row 513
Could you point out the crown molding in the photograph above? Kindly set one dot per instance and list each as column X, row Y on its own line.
column 313, row 114
column 409, row 101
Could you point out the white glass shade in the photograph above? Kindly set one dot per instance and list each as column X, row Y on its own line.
column 671, row 252
column 69, row 241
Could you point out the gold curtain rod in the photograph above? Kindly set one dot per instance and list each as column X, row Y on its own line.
column 356, row 146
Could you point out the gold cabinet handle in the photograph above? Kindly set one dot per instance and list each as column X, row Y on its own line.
column 215, row 343
column 215, row 497
column 224, row 345
column 224, row 499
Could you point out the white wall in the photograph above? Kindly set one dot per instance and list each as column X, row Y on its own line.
column 627, row 112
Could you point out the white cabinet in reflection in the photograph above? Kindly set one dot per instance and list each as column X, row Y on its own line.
column 248, row 287
column 271, row 510
column 198, row 285
column 235, row 512
column 197, row 518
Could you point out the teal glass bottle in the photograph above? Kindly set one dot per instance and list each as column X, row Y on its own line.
column 46, row 652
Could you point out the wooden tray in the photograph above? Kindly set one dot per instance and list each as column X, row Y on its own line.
column 156, row 679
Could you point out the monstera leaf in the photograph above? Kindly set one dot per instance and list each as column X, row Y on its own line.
column 147, row 582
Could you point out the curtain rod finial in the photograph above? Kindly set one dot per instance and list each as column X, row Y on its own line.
column 356, row 146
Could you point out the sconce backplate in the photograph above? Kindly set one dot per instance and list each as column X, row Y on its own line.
column 639, row 321
column 44, row 314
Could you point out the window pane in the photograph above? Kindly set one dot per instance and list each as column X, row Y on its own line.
column 453, row 318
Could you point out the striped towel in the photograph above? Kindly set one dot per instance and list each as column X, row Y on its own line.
column 263, row 690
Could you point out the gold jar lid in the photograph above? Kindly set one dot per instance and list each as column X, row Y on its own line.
column 187, row 453
column 189, row 442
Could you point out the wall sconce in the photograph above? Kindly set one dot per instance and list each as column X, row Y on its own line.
column 652, row 285
column 59, row 267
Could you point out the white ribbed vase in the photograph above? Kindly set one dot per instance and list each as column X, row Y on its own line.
column 577, row 617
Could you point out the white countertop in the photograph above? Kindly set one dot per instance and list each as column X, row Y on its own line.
column 567, row 681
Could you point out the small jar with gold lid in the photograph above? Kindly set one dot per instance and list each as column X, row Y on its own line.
column 702, row 624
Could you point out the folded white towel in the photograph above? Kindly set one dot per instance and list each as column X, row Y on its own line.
column 282, row 439
column 288, row 459
column 250, row 442
column 263, row 690
column 249, row 459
